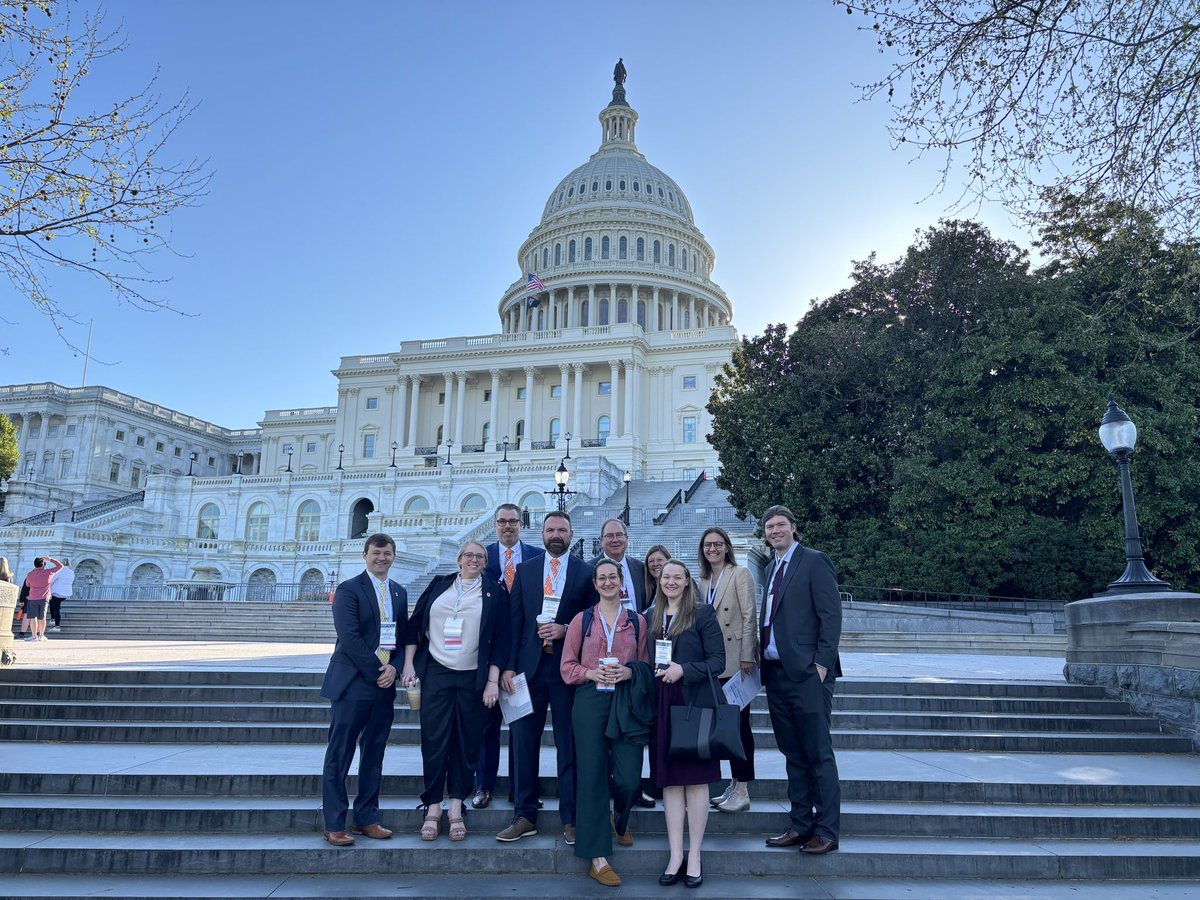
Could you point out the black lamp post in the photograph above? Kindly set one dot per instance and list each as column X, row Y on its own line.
column 191, row 462
column 505, row 445
column 341, row 450
column 395, row 447
column 560, row 492
column 449, row 444
column 1118, row 434
column 628, row 477
column 289, row 451
column 332, row 584
column 568, row 456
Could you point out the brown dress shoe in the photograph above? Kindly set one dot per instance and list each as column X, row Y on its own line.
column 817, row 845
column 374, row 830
column 790, row 838
column 605, row 875
column 339, row 838
column 626, row 839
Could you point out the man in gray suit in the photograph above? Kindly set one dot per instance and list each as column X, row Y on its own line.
column 802, row 623
column 614, row 540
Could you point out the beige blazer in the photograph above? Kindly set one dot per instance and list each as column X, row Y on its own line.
column 737, row 614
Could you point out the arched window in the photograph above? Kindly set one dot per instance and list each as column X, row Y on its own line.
column 558, row 254
column 657, row 252
column 623, row 248
column 670, row 254
column 555, row 428
column 485, row 436
column 359, row 524
column 308, row 521
column 208, row 522
column 604, row 247
column 641, row 249
column 545, row 257
column 520, row 430
column 587, row 249
column 641, row 313
column 583, row 313
column 622, row 310
column 603, row 313
column 473, row 503
column 683, row 258
column 571, row 251
column 602, row 428
column 438, row 439
column 417, row 504
column 257, row 519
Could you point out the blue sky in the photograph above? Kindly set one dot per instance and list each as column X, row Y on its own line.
column 377, row 165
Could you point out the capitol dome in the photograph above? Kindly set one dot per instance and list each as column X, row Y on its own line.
column 616, row 243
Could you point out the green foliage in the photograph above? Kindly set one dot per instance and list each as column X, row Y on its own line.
column 10, row 456
column 934, row 425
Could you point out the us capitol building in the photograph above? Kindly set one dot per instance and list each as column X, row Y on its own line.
column 613, row 364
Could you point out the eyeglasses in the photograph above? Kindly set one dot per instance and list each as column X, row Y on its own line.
column 713, row 545
column 473, row 556
column 508, row 522
column 600, row 578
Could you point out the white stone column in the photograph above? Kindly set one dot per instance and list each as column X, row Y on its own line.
column 652, row 314
column 614, row 382
column 627, row 423
column 593, row 316
column 675, row 310
column 395, row 416
column 529, row 370
column 577, row 422
column 413, row 406
column 448, row 389
column 693, row 321
column 612, row 302
column 460, row 409
column 496, row 435
column 564, row 381
column 572, row 308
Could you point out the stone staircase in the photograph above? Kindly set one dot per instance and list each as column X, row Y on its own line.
column 165, row 782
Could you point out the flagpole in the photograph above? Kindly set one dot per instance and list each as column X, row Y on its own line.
column 86, row 354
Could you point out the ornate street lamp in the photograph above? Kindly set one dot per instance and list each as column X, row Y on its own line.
column 191, row 462
column 568, row 436
column 628, row 477
column 505, row 445
column 395, row 447
column 449, row 445
column 1118, row 434
column 560, row 492
column 289, row 451
column 341, row 450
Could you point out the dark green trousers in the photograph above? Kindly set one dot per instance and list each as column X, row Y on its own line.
column 598, row 761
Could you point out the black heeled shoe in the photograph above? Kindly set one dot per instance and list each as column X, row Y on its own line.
column 666, row 879
column 693, row 881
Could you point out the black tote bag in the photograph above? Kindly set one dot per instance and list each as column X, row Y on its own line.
column 701, row 733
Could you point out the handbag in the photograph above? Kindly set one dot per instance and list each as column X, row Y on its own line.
column 700, row 733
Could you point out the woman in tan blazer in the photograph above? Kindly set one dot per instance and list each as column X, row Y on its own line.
column 729, row 589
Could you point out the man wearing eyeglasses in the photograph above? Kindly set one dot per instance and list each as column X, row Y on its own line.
column 614, row 541
column 503, row 557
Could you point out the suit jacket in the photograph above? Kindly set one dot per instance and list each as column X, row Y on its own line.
column 807, row 622
column 526, row 605
column 736, row 614
column 493, row 626
column 637, row 571
column 699, row 651
column 356, row 618
column 495, row 570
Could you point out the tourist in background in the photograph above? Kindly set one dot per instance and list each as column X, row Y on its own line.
column 6, row 574
column 61, row 589
column 456, row 639
column 729, row 589
column 697, row 652
column 600, row 646
column 39, row 581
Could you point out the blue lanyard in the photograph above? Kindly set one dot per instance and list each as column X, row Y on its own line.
column 610, row 633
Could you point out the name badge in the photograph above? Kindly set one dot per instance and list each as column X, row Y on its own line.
column 662, row 654
column 387, row 635
column 550, row 605
column 452, row 633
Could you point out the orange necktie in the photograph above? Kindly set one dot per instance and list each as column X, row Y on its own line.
column 552, row 577
column 510, row 573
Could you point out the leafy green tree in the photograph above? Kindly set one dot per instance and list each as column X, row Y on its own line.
column 935, row 423
column 85, row 186
column 10, row 455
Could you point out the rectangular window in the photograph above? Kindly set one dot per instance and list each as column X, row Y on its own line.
column 689, row 429
column 212, row 462
column 35, row 431
column 114, row 472
column 441, row 398
column 64, row 470
column 372, row 403
column 179, row 451
column 159, row 446
column 288, row 448
column 52, row 431
column 70, row 431
column 121, row 435
column 605, row 387
column 556, row 390
column 140, row 441
column 310, row 447
column 520, row 396
column 487, row 396
column 689, row 382
column 135, row 477
column 368, row 446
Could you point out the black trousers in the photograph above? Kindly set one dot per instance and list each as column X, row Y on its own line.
column 801, row 712
column 56, row 609
column 452, row 721
column 489, row 754
column 548, row 691
column 738, row 770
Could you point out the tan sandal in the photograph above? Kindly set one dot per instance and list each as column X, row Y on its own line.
column 458, row 830
column 431, row 825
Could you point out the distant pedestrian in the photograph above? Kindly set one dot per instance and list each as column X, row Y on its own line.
column 6, row 574
column 61, row 589
column 38, row 581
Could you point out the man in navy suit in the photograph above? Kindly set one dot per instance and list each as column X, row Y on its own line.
column 802, row 624
column 614, row 540
column 503, row 557
column 369, row 612
column 556, row 579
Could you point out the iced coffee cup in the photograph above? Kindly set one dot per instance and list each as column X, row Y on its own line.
column 414, row 695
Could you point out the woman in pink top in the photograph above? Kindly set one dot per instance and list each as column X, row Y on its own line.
column 38, row 582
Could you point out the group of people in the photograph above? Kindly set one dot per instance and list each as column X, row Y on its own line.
column 43, row 590
column 607, row 647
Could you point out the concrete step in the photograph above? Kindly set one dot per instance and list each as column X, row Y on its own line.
column 737, row 855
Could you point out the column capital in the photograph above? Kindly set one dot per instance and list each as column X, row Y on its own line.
column 389, row 388
column 578, row 366
column 614, row 364
column 449, row 376
column 529, row 371
column 495, row 373
column 461, row 375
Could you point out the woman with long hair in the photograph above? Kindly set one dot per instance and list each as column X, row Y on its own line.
column 729, row 589
column 455, row 640
column 656, row 556
column 691, row 634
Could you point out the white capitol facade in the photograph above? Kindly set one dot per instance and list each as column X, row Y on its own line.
column 620, row 355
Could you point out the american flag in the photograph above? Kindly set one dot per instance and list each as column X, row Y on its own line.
column 535, row 283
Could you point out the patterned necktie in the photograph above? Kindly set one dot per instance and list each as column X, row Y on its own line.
column 510, row 572
column 384, row 655
column 552, row 577
column 773, row 600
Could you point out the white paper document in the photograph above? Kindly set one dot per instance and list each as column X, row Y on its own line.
column 743, row 688
column 517, row 704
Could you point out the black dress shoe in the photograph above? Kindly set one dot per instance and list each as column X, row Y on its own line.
column 666, row 879
column 816, row 845
column 693, row 881
column 790, row 838
column 643, row 801
column 481, row 799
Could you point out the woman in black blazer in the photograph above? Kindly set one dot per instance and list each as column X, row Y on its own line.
column 697, row 654
column 455, row 640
